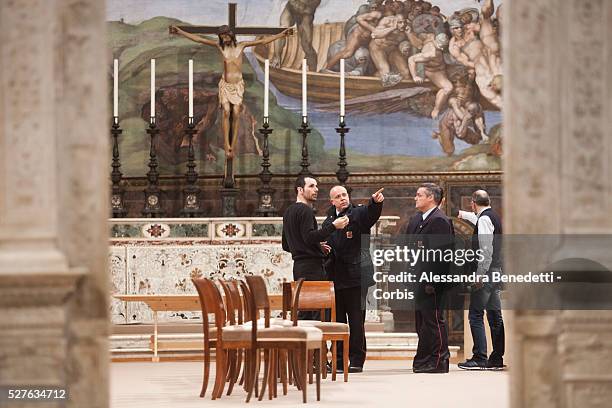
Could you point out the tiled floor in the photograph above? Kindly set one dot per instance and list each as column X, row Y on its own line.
column 383, row 384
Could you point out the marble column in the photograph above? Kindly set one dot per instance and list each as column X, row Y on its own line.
column 53, row 198
column 557, row 120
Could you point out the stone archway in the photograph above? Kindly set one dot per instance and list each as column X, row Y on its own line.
column 557, row 121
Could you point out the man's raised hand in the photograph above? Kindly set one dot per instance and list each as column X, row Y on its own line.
column 378, row 196
column 341, row 222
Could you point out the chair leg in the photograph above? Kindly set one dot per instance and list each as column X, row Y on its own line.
column 304, row 370
column 297, row 367
column 226, row 366
column 324, row 358
column 219, row 374
column 310, row 370
column 239, row 366
column 229, row 370
column 229, row 373
column 271, row 377
column 245, row 368
column 265, row 375
column 257, row 369
column 206, row 372
column 334, row 359
column 277, row 369
column 284, row 364
column 318, row 361
column 233, row 372
column 290, row 366
column 345, row 357
column 249, row 375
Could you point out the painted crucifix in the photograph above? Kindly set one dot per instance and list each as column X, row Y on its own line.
column 231, row 85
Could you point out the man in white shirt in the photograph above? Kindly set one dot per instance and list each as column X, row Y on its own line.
column 485, row 296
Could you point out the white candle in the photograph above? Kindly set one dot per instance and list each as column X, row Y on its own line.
column 266, row 86
column 116, row 88
column 342, row 88
column 191, row 88
column 304, row 112
column 152, row 88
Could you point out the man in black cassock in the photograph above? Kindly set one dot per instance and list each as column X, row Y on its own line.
column 351, row 267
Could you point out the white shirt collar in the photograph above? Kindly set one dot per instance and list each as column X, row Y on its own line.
column 426, row 213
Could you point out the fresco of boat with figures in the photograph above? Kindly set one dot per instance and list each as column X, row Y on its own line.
column 323, row 87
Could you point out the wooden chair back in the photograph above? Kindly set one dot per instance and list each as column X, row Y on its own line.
column 251, row 312
column 233, row 301
column 311, row 295
column 211, row 302
column 259, row 296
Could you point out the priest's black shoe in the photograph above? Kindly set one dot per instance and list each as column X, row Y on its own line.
column 441, row 368
column 352, row 369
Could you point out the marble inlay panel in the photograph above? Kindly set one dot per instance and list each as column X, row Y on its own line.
column 267, row 230
column 169, row 270
column 118, row 270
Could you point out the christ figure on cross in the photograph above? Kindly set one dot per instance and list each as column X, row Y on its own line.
column 231, row 85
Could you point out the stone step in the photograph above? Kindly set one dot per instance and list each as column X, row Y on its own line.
column 392, row 339
column 400, row 352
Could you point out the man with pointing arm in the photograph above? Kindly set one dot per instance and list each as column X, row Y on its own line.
column 352, row 266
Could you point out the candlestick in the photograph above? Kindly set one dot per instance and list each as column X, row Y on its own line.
column 116, row 88
column 191, row 193
column 304, row 130
column 342, row 174
column 191, row 88
column 304, row 87
column 152, row 88
column 342, row 88
column 117, row 203
column 266, row 193
column 266, row 86
column 153, row 197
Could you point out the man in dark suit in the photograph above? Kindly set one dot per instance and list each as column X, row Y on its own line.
column 430, row 229
column 352, row 269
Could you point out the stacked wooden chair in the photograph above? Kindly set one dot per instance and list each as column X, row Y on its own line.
column 239, row 332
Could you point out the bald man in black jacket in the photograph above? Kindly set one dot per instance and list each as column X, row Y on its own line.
column 352, row 266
